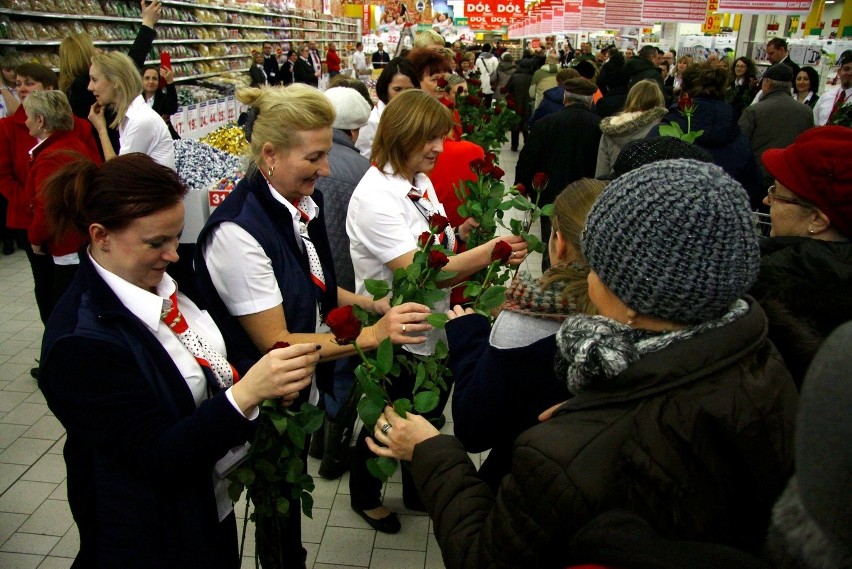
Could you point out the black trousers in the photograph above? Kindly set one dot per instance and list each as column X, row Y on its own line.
column 42, row 268
column 365, row 490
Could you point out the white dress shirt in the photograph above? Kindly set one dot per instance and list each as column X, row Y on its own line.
column 367, row 134
column 143, row 130
column 823, row 107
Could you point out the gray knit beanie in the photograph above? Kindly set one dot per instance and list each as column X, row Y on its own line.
column 674, row 240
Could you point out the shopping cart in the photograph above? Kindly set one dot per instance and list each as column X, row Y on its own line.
column 762, row 223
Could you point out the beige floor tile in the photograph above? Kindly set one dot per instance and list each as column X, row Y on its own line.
column 49, row 468
column 13, row 346
column 57, row 448
column 9, row 433
column 69, row 545
column 412, row 536
column 335, row 566
column 19, row 377
column 433, row 554
column 24, row 497
column 25, row 413
column 10, row 399
column 342, row 515
column 56, row 563
column 61, row 492
column 28, row 356
column 393, row 500
column 398, row 559
column 313, row 528
column 9, row 524
column 30, row 543
column 36, row 397
column 52, row 518
column 19, row 560
column 346, row 546
column 47, row 427
column 9, row 474
column 25, row 451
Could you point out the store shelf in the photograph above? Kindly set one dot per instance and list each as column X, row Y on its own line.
column 204, row 58
column 205, row 75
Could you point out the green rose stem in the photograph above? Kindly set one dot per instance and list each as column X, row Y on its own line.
column 486, row 282
column 384, row 378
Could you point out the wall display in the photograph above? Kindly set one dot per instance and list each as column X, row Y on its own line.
column 622, row 13
column 571, row 18
column 203, row 40
column 592, row 14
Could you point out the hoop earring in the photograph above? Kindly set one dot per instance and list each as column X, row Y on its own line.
column 270, row 171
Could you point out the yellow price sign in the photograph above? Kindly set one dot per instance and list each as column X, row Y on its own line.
column 712, row 24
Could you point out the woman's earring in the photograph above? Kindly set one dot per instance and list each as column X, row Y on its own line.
column 270, row 171
column 630, row 318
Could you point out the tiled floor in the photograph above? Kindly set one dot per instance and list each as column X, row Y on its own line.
column 36, row 528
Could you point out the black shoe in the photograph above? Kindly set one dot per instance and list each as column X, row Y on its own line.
column 22, row 244
column 388, row 524
column 438, row 422
column 8, row 246
column 514, row 149
column 34, row 372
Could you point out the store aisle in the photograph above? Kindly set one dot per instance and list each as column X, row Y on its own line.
column 36, row 528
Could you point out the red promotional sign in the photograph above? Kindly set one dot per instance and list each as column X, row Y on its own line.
column 693, row 11
column 592, row 14
column 365, row 19
column 504, row 8
column 488, row 22
column 765, row 6
column 618, row 13
column 571, row 18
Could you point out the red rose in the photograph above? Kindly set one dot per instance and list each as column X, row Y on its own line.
column 540, row 181
column 442, row 83
column 685, row 104
column 474, row 100
column 490, row 157
column 437, row 259
column 344, row 324
column 468, row 128
column 461, row 89
column 278, row 345
column 486, row 118
column 521, row 189
column 474, row 81
column 497, row 172
column 498, row 109
column 438, row 222
column 488, row 169
column 477, row 165
column 502, row 252
column 424, row 238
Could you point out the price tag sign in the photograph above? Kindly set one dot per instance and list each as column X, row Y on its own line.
column 213, row 113
column 202, row 115
column 221, row 111
column 193, row 123
column 179, row 121
column 230, row 109
column 216, row 197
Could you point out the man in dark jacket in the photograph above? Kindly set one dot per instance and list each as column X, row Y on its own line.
column 777, row 119
column 519, row 89
column 563, row 145
column 644, row 66
column 776, row 52
column 270, row 65
column 302, row 70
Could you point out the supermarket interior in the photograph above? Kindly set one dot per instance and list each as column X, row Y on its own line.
column 212, row 49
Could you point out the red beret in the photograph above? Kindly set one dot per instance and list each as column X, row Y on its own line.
column 816, row 167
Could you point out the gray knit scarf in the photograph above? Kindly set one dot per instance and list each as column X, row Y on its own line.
column 594, row 349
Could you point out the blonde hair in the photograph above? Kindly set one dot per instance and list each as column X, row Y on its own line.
column 570, row 210
column 283, row 112
column 53, row 107
column 644, row 96
column 411, row 119
column 119, row 69
column 428, row 39
column 75, row 56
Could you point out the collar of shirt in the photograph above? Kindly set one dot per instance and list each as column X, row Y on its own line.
column 39, row 142
column 421, row 182
column 312, row 210
column 135, row 106
column 146, row 306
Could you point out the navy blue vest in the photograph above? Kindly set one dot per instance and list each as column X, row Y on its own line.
column 252, row 207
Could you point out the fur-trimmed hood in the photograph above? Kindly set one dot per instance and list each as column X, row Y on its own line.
column 625, row 124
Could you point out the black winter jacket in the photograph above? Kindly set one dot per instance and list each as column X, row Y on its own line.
column 696, row 438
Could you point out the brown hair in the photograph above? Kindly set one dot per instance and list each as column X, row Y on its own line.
column 644, row 96
column 411, row 119
column 428, row 61
column 125, row 188
column 570, row 210
column 705, row 80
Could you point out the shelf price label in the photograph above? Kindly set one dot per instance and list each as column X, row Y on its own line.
column 179, row 121
column 221, row 111
column 202, row 115
column 216, row 197
column 231, row 109
column 213, row 112
column 192, row 121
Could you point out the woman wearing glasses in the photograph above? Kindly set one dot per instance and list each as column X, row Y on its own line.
column 806, row 268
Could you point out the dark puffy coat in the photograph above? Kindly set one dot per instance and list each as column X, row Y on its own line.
column 804, row 285
column 612, row 102
column 697, row 440
column 519, row 87
column 552, row 101
column 563, row 145
column 724, row 140
column 638, row 68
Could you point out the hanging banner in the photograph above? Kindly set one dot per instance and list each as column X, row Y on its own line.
column 765, row 6
column 619, row 13
column 546, row 18
column 507, row 8
column 571, row 17
column 686, row 11
column 559, row 18
column 592, row 14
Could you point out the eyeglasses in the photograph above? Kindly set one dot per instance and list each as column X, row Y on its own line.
column 773, row 196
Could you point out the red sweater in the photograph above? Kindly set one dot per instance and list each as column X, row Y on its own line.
column 332, row 61
column 60, row 148
column 15, row 146
column 452, row 168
